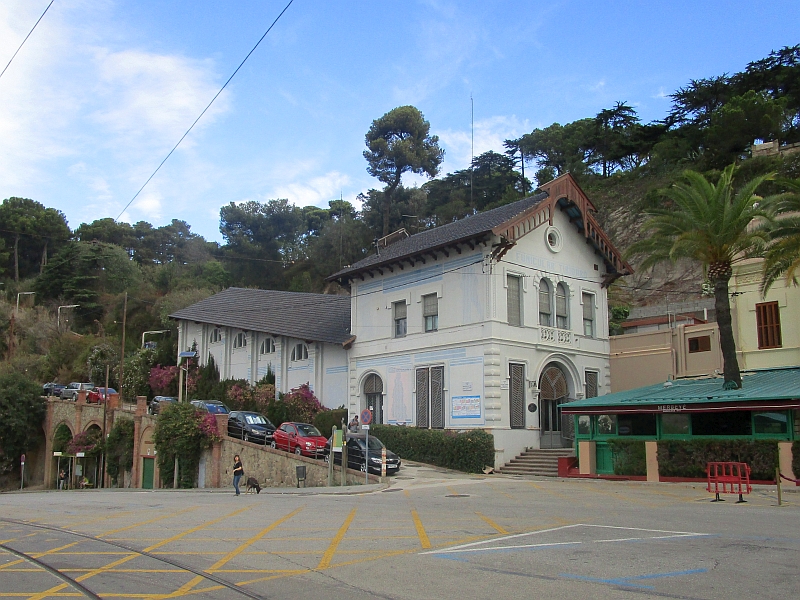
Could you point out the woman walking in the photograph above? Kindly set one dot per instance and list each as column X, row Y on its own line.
column 238, row 471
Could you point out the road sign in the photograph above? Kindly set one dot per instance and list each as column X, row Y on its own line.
column 365, row 427
column 366, row 416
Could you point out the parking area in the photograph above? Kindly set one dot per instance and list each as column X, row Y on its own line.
column 432, row 534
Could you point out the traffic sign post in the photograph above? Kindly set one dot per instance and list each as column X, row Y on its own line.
column 366, row 419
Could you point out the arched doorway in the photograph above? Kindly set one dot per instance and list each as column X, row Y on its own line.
column 373, row 390
column 553, row 391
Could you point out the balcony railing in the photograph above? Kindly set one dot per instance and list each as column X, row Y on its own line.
column 550, row 335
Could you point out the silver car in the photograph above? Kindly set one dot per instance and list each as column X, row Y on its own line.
column 71, row 391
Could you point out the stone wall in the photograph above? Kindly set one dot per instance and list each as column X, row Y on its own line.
column 274, row 468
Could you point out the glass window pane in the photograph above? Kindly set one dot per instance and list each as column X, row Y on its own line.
column 584, row 425
column 607, row 424
column 674, row 424
column 771, row 422
column 561, row 300
column 642, row 424
column 734, row 422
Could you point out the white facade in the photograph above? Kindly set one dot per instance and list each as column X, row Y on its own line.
column 474, row 344
column 242, row 354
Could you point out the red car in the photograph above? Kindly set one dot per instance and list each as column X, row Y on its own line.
column 300, row 438
column 98, row 394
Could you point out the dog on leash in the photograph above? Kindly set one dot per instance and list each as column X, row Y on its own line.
column 252, row 484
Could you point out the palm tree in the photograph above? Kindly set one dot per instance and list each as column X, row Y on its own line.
column 711, row 224
column 783, row 255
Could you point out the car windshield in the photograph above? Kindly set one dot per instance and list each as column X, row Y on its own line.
column 255, row 420
column 217, row 409
column 307, row 430
column 374, row 443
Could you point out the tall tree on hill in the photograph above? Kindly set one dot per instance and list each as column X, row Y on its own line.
column 714, row 225
column 400, row 142
column 783, row 255
column 611, row 128
column 32, row 231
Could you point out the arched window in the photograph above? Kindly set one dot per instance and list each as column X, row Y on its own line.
column 216, row 336
column 562, row 310
column 240, row 341
column 299, row 352
column 545, row 304
column 373, row 390
column 267, row 346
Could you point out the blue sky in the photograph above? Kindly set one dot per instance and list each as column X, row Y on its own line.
column 103, row 89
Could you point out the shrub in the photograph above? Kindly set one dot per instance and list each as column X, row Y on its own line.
column 678, row 458
column 469, row 451
column 164, row 380
column 302, row 404
column 119, row 449
column 629, row 457
column 22, row 411
column 182, row 431
column 89, row 442
column 325, row 420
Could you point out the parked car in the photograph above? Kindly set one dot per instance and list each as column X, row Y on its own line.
column 356, row 445
column 158, row 403
column 250, row 427
column 300, row 438
column 213, row 406
column 53, row 388
column 99, row 394
column 71, row 391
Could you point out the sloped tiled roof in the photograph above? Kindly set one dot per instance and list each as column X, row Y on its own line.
column 461, row 230
column 758, row 385
column 312, row 317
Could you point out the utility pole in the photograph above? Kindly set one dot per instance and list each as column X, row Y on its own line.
column 122, row 351
column 472, row 151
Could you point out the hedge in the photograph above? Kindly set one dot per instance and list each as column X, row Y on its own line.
column 796, row 458
column 469, row 451
column 677, row 458
column 325, row 420
column 629, row 457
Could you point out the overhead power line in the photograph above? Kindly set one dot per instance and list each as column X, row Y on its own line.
column 26, row 37
column 205, row 109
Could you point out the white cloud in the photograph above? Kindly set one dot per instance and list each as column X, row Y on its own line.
column 661, row 94
column 313, row 191
column 489, row 135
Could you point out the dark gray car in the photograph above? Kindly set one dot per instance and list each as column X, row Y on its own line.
column 250, row 427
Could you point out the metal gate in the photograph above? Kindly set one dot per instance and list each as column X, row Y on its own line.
column 516, row 396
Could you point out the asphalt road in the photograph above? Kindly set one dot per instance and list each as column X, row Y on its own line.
column 431, row 534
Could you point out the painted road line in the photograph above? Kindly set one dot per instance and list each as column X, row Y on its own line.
column 40, row 554
column 492, row 524
column 116, row 563
column 501, row 539
column 169, row 516
column 423, row 536
column 328, row 556
column 234, row 553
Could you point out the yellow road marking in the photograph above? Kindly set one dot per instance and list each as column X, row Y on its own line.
column 491, row 523
column 234, row 553
column 38, row 555
column 185, row 510
column 423, row 537
column 130, row 557
column 328, row 556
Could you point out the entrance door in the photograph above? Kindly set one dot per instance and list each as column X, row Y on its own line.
column 148, row 469
column 373, row 390
column 552, row 393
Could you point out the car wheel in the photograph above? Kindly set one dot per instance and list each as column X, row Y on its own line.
column 298, row 451
column 273, row 445
column 245, row 437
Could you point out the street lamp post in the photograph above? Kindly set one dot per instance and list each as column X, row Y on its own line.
column 154, row 332
column 58, row 314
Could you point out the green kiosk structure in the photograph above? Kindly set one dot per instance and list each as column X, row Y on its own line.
column 678, row 422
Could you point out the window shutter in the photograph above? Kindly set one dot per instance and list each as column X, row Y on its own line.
column 561, row 300
column 768, row 325
column 422, row 398
column 591, row 384
column 514, row 312
column 588, row 306
column 430, row 305
column 400, row 310
column 437, row 397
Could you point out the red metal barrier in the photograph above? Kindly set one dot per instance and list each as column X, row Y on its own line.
column 728, row 478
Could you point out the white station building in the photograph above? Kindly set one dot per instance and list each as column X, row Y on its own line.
column 489, row 322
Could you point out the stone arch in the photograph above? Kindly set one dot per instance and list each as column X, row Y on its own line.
column 557, row 384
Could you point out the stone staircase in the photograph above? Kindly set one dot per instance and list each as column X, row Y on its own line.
column 536, row 462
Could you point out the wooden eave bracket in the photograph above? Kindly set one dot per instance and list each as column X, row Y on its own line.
column 348, row 342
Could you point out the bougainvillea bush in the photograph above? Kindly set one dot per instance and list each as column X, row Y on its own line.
column 164, row 380
column 301, row 404
column 89, row 442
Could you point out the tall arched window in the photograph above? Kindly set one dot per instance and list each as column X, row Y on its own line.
column 240, row 341
column 299, row 352
column 545, row 304
column 267, row 346
column 373, row 390
column 562, row 307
